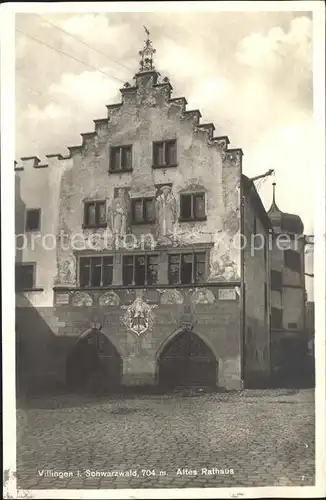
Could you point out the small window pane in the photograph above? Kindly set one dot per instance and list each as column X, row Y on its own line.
column 90, row 214
column 101, row 213
column 128, row 260
column 170, row 153
column 128, row 275
column 200, row 266
column 108, row 261
column 174, row 268
column 187, row 258
column 126, row 158
column 107, row 275
column 185, row 206
column 152, row 270
column 148, row 210
column 128, row 270
column 33, row 220
column 84, row 271
column 158, row 153
column 199, row 205
column 186, row 269
column 96, row 271
column 137, row 211
column 115, row 159
column 140, row 270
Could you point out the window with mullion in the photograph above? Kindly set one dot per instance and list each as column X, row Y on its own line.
column 121, row 159
column 200, row 266
column 128, row 270
column 165, row 153
column 107, row 271
column 95, row 271
column 143, row 210
column 94, row 214
column 192, row 206
column 140, row 270
column 187, row 269
column 170, row 152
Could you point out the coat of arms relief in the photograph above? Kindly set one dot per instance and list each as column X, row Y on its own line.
column 139, row 316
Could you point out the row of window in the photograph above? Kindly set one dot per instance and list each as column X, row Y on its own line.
column 164, row 155
column 192, row 208
column 97, row 271
column 183, row 269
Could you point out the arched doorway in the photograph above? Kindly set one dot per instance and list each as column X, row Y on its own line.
column 94, row 364
column 187, row 361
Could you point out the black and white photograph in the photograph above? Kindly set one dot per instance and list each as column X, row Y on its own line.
column 163, row 226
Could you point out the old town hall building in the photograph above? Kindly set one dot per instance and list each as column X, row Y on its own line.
column 133, row 272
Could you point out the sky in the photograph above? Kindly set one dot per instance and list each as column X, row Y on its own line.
column 250, row 73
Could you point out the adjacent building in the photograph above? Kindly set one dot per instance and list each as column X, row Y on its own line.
column 289, row 342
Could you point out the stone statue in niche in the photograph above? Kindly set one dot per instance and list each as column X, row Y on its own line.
column 119, row 213
column 166, row 211
column 203, row 296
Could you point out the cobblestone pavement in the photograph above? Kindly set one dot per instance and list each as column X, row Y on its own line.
column 265, row 437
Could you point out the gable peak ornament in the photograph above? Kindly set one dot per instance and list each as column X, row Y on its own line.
column 147, row 52
column 139, row 316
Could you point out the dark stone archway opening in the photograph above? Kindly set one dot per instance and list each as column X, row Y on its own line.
column 94, row 365
column 187, row 361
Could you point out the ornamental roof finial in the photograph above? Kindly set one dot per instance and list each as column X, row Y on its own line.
column 274, row 207
column 146, row 62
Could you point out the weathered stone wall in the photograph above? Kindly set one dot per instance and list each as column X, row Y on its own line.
column 214, row 318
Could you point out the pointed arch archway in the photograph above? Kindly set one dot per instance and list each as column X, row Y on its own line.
column 186, row 359
column 94, row 363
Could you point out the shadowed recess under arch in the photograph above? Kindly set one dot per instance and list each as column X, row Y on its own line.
column 94, row 364
column 186, row 361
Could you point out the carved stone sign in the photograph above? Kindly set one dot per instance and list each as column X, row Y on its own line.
column 138, row 316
